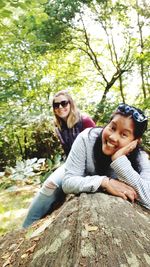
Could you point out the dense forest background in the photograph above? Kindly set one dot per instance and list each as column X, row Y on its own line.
column 97, row 50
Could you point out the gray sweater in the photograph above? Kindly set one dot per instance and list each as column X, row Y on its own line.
column 80, row 173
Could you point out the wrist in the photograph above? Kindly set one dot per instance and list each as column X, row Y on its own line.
column 105, row 182
column 114, row 157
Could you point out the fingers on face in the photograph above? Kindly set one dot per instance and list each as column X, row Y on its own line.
column 132, row 145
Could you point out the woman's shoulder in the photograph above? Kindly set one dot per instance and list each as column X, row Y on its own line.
column 90, row 133
column 143, row 156
column 86, row 139
column 87, row 121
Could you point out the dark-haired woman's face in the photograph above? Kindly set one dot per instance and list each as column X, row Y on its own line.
column 117, row 134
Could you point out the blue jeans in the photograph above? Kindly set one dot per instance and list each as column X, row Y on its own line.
column 43, row 202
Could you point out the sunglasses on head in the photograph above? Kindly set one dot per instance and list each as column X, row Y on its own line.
column 136, row 115
column 63, row 104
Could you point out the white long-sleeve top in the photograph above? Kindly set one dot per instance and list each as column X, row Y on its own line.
column 80, row 173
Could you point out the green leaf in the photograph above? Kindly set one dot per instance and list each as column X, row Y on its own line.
column 2, row 4
column 14, row 4
column 43, row 1
column 6, row 13
column 23, row 6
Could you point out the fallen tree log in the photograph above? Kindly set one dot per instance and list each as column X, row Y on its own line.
column 91, row 230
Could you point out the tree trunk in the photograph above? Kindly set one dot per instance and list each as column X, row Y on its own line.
column 140, row 27
column 121, row 89
column 93, row 230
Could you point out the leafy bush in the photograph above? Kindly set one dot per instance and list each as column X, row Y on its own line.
column 28, row 172
column 35, row 139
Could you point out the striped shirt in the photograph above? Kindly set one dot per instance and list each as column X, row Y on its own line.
column 80, row 173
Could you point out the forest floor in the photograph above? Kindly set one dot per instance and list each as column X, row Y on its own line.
column 18, row 246
column 17, row 243
column 14, row 204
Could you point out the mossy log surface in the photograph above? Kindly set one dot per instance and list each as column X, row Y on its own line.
column 97, row 230
column 94, row 230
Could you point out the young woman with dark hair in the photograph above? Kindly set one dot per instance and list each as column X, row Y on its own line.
column 111, row 158
column 68, row 124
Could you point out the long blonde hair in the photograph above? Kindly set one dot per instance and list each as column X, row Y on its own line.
column 74, row 114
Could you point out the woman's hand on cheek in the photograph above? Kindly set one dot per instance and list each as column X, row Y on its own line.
column 119, row 189
column 125, row 150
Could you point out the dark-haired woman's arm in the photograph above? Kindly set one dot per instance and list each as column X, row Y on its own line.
column 140, row 182
column 79, row 167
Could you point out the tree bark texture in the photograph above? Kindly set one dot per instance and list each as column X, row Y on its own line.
column 96, row 230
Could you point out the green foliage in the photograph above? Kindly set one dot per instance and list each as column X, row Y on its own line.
column 102, row 112
column 30, row 171
column 26, row 169
column 44, row 142
column 34, row 140
column 146, row 141
column 6, row 183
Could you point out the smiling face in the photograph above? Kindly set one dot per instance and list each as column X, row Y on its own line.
column 117, row 134
column 62, row 112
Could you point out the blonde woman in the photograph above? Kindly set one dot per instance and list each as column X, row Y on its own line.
column 68, row 124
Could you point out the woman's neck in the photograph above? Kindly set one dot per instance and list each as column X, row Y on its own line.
column 65, row 119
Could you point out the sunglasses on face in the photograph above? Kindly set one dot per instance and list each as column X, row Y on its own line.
column 63, row 104
column 136, row 115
